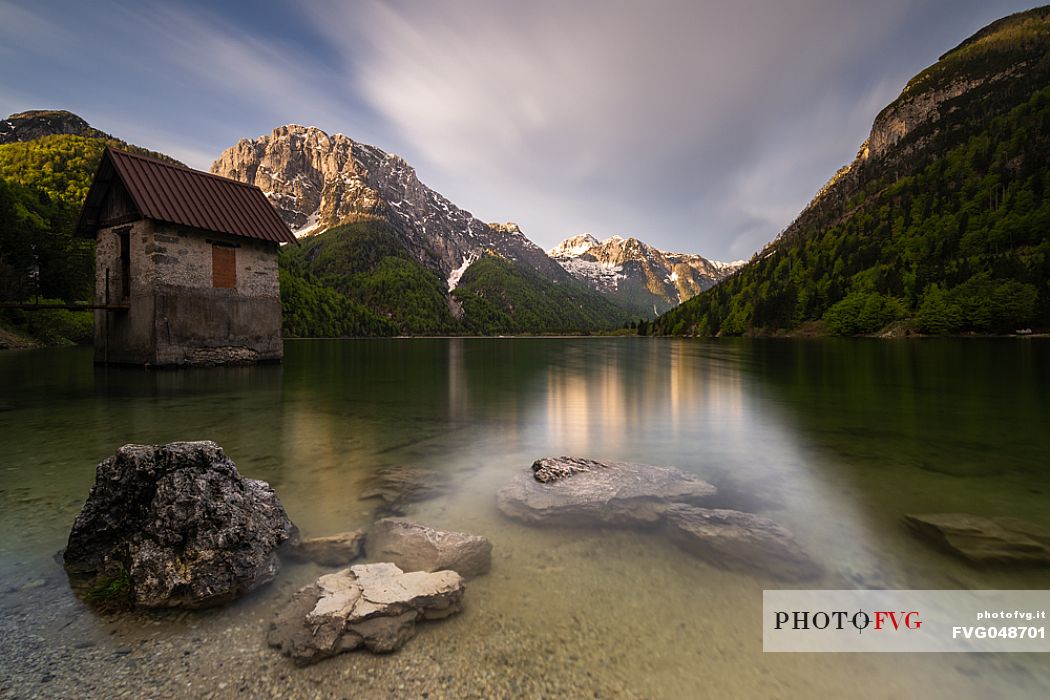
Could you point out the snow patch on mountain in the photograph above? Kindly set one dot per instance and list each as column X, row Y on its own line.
column 457, row 274
column 728, row 266
column 601, row 276
column 636, row 272
column 312, row 225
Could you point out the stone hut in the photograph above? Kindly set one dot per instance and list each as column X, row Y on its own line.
column 185, row 265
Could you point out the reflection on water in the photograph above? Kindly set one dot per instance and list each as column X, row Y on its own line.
column 836, row 440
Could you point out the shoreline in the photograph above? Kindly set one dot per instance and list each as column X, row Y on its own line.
column 13, row 340
column 29, row 344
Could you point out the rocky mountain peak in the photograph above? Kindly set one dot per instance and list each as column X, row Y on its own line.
column 573, row 246
column 644, row 278
column 313, row 179
column 317, row 180
column 612, row 250
column 34, row 124
column 618, row 249
column 509, row 227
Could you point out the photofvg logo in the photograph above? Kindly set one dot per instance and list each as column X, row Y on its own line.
column 905, row 621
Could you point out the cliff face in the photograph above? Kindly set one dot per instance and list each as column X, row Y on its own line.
column 313, row 180
column 643, row 278
column 317, row 180
column 26, row 126
column 908, row 113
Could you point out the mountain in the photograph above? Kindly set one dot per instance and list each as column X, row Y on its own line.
column 501, row 296
column 47, row 160
column 942, row 220
column 400, row 251
column 35, row 124
column 56, row 152
column 358, row 279
column 317, row 181
column 638, row 276
column 404, row 260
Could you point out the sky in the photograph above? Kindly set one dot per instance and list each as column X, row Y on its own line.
column 695, row 126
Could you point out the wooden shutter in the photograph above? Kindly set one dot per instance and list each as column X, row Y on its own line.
column 223, row 267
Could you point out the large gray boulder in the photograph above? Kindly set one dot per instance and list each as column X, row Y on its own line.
column 375, row 606
column 981, row 540
column 739, row 541
column 575, row 491
column 176, row 526
column 415, row 547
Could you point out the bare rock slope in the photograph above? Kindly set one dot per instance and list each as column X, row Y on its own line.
column 317, row 180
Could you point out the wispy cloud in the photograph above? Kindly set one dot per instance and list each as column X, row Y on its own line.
column 698, row 126
column 616, row 116
column 181, row 80
column 767, row 190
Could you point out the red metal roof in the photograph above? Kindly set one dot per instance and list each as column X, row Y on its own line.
column 183, row 196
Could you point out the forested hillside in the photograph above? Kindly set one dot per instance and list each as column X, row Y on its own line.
column 500, row 296
column 43, row 182
column 357, row 279
column 943, row 219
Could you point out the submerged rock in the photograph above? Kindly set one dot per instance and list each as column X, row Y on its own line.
column 739, row 541
column 415, row 547
column 981, row 540
column 375, row 606
column 574, row 491
column 398, row 486
column 176, row 526
column 331, row 550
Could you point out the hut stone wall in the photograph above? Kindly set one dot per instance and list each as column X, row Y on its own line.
column 195, row 297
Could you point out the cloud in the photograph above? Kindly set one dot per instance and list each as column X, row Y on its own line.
column 228, row 75
column 700, row 126
column 18, row 24
column 631, row 119
column 767, row 191
column 181, row 80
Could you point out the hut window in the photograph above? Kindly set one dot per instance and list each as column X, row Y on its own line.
column 223, row 267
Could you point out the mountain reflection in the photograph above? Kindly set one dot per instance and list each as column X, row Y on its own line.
column 606, row 398
column 835, row 441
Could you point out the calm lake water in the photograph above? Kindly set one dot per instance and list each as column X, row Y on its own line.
column 835, row 440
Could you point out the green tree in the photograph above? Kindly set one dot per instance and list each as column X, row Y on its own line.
column 863, row 312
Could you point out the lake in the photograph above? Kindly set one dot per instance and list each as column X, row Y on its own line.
column 834, row 439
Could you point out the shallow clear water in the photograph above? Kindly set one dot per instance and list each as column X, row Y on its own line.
column 835, row 440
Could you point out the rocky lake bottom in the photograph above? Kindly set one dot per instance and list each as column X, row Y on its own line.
column 834, row 441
